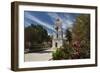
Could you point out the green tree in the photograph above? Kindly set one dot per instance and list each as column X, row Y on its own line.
column 81, row 27
column 81, row 33
column 68, row 35
column 35, row 34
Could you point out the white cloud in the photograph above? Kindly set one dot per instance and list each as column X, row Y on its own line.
column 66, row 23
column 53, row 15
column 33, row 18
column 66, row 20
column 27, row 24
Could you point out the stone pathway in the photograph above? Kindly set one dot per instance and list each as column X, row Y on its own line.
column 44, row 55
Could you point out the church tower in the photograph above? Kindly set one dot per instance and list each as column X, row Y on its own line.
column 57, row 40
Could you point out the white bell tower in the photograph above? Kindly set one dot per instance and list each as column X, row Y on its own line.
column 57, row 40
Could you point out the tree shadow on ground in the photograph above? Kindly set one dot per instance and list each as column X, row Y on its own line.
column 39, row 51
column 44, row 51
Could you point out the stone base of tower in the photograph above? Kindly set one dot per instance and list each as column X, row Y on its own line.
column 56, row 44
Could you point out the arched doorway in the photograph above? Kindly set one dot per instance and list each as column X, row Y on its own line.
column 56, row 44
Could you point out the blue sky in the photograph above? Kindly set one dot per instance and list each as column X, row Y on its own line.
column 47, row 19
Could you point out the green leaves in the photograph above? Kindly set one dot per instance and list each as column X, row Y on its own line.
column 68, row 35
column 81, row 32
column 81, row 28
column 58, row 54
column 36, row 34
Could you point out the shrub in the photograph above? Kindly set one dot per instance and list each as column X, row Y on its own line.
column 85, row 52
column 62, row 53
column 58, row 54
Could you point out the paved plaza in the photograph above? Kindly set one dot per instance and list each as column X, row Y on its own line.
column 44, row 55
